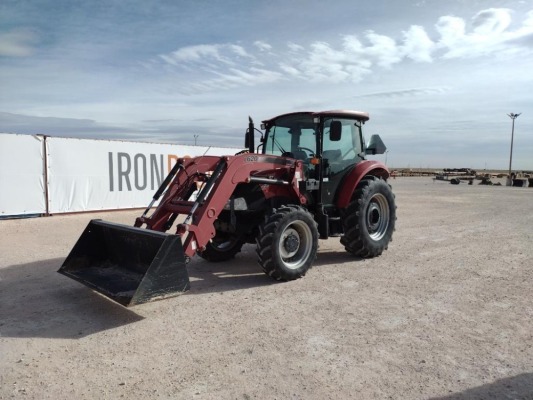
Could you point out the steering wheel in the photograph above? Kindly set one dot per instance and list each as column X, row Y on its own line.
column 311, row 152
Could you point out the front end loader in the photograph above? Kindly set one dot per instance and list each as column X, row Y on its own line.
column 133, row 265
column 307, row 180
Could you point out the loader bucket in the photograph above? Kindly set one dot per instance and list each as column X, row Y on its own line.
column 129, row 265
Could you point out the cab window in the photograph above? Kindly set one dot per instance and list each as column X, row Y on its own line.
column 344, row 152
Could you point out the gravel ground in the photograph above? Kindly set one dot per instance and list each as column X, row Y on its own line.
column 445, row 313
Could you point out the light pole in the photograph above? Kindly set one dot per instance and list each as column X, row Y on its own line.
column 195, row 137
column 386, row 152
column 513, row 116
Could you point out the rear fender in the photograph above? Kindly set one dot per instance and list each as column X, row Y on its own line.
column 364, row 168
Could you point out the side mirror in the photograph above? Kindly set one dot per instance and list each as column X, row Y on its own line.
column 375, row 146
column 335, row 131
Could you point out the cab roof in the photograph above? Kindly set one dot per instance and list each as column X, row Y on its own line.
column 359, row 115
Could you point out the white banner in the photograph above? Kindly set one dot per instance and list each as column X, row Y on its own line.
column 87, row 175
column 21, row 175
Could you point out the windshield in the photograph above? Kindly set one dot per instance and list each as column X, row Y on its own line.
column 296, row 134
column 292, row 134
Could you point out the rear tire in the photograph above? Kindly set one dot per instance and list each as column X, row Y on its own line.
column 287, row 243
column 221, row 248
column 369, row 219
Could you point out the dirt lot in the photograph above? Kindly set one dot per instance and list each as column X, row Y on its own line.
column 445, row 313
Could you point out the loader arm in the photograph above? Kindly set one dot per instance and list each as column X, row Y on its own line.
column 217, row 178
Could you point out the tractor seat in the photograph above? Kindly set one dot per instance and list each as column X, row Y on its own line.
column 333, row 161
column 332, row 155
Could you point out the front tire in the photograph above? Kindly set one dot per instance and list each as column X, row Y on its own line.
column 369, row 219
column 221, row 248
column 287, row 243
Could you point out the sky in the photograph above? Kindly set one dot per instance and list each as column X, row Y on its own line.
column 438, row 77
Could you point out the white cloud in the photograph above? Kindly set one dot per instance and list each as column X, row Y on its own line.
column 406, row 92
column 324, row 63
column 17, row 43
column 238, row 50
column 224, row 53
column 295, row 47
column 351, row 60
column 192, row 53
column 262, row 46
column 492, row 21
column 451, row 30
column 383, row 49
column 289, row 69
column 528, row 22
column 490, row 34
column 235, row 78
column 417, row 44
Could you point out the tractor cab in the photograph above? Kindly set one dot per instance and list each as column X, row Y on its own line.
column 329, row 143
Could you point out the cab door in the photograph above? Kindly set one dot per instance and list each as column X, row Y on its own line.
column 339, row 156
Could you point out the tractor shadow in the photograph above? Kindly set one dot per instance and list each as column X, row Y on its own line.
column 244, row 272
column 334, row 257
column 241, row 272
column 514, row 387
column 36, row 301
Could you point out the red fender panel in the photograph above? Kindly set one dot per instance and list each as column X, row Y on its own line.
column 366, row 167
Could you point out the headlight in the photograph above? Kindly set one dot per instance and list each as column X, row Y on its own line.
column 239, row 204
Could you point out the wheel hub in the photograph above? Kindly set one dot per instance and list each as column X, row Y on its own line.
column 377, row 216
column 296, row 242
column 292, row 242
column 373, row 217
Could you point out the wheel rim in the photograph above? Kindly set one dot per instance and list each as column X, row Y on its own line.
column 224, row 244
column 295, row 244
column 377, row 216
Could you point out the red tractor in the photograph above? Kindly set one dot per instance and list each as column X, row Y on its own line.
column 307, row 180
